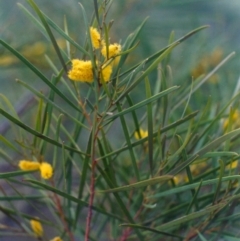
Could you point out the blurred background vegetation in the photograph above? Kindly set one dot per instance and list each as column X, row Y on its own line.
column 196, row 56
column 165, row 16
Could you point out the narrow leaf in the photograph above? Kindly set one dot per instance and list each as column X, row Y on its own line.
column 204, row 150
column 155, row 134
column 140, row 184
column 72, row 198
column 30, row 130
column 194, row 185
column 144, row 102
column 153, row 230
column 49, row 32
column 14, row 174
column 39, row 74
column 150, row 125
column 40, row 95
column 147, row 71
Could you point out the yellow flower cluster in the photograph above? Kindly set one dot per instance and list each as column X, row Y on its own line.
column 235, row 120
column 36, row 227
column 113, row 50
column 232, row 165
column 106, row 73
column 56, row 239
column 28, row 165
column 45, row 168
column 7, row 60
column 35, row 50
column 206, row 63
column 95, row 37
column 142, row 133
column 196, row 169
column 83, row 70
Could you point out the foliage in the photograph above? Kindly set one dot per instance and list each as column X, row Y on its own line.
column 132, row 157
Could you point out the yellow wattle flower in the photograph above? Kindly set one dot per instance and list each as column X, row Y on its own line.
column 177, row 179
column 36, row 227
column 106, row 73
column 95, row 37
column 81, row 71
column 35, row 50
column 7, row 60
column 232, row 165
column 143, row 134
column 113, row 49
column 46, row 170
column 197, row 168
column 28, row 165
column 235, row 120
column 56, row 239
